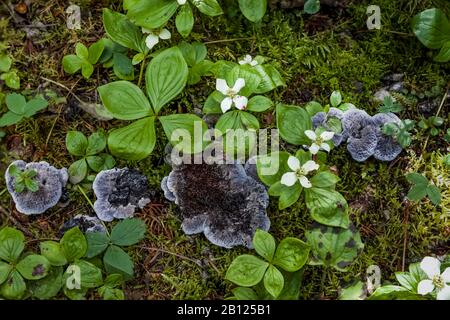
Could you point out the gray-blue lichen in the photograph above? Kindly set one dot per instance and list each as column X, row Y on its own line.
column 220, row 200
column 51, row 182
column 120, row 192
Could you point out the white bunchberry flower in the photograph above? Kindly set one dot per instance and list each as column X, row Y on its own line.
column 299, row 172
column 181, row 2
column 319, row 141
column 248, row 60
column 231, row 94
column 436, row 281
column 153, row 39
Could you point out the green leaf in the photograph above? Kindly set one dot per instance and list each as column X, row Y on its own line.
column 434, row 194
column 272, row 167
column 291, row 254
column 187, row 127
column 34, row 106
column 185, row 20
column 96, row 143
column 432, row 28
column 151, row 14
column 71, row 63
column 212, row 103
column 111, row 294
column 16, row 103
column 324, row 179
column 312, row 6
column 14, row 287
column 264, row 244
column 335, row 99
column 33, row 267
column 5, row 270
column 333, row 247
column 292, row 284
column 12, row 243
column 128, row 232
column 53, row 252
column 193, row 53
column 74, row 244
column 97, row 243
column 270, row 78
column 101, row 162
column 166, row 77
column 249, row 74
column 292, row 122
column 78, row 171
column 273, row 281
column 124, row 100
column 135, row 141
column 91, row 276
column 10, row 118
column 417, row 193
column 444, row 53
column 95, row 51
column 87, row 69
column 12, row 80
column 259, row 104
column 123, row 66
column 417, row 179
column 242, row 293
column 118, row 261
column 391, row 292
column 355, row 291
column 48, row 287
column 327, row 206
column 313, row 107
column 81, row 51
column 246, row 270
column 253, row 10
column 5, row 63
column 114, row 280
column 121, row 30
column 288, row 195
column 406, row 281
column 209, row 7
column 137, row 58
column 76, row 143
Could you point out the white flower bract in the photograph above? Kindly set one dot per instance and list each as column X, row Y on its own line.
column 231, row 94
column 436, row 281
column 298, row 173
column 153, row 39
column 248, row 60
column 319, row 141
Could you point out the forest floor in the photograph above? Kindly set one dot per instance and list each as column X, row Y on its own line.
column 332, row 50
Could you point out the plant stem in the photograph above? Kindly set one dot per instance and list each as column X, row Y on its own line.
column 85, row 195
column 141, row 72
column 229, row 40
column 437, row 114
column 322, row 282
column 3, row 192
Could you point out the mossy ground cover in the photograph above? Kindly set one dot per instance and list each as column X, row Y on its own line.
column 332, row 50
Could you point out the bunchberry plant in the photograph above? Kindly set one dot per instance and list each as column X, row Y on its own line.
column 19, row 108
column 84, row 59
column 24, row 180
column 11, row 78
column 91, row 150
column 273, row 270
column 422, row 188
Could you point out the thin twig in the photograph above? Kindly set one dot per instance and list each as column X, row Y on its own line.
column 405, row 234
column 197, row 262
column 64, row 87
column 437, row 114
column 229, row 40
column 16, row 223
